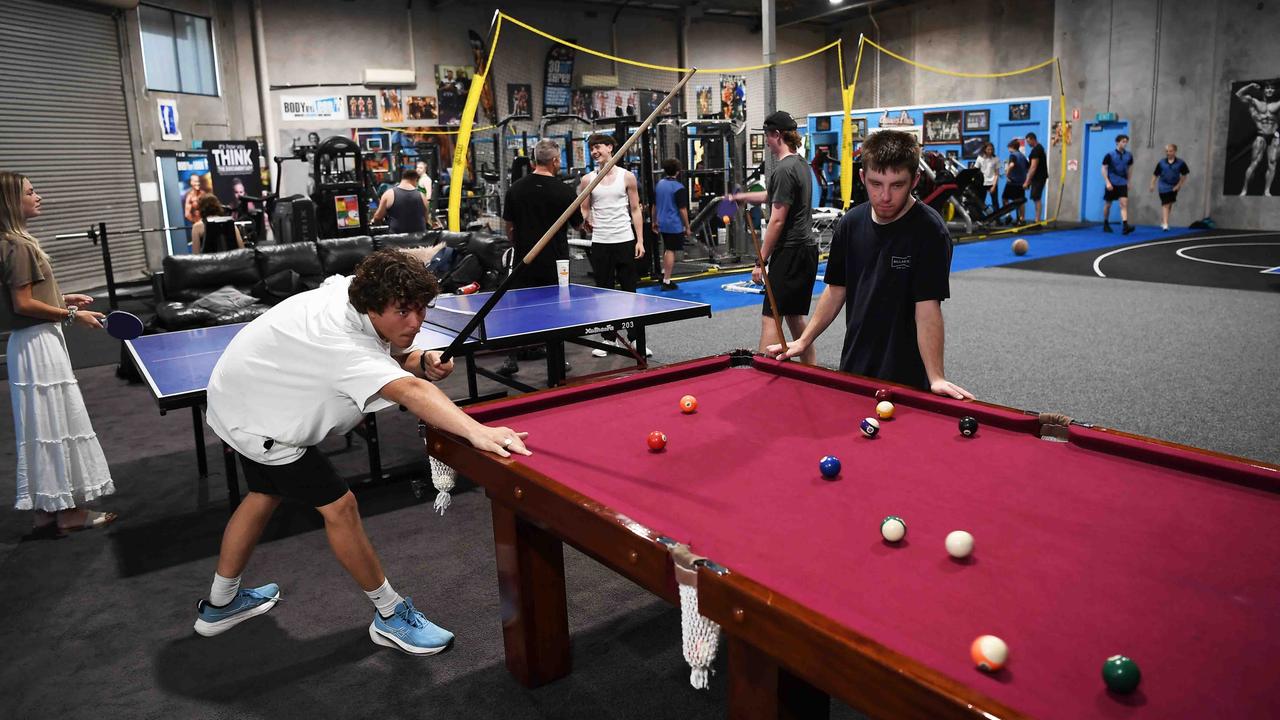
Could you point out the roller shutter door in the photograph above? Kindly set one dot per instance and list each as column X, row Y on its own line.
column 63, row 124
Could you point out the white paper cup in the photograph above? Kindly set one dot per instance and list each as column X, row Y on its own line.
column 562, row 272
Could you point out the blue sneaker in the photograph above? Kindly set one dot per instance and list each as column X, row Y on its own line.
column 409, row 631
column 212, row 620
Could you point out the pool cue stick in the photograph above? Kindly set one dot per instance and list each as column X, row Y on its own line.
column 764, row 275
column 618, row 154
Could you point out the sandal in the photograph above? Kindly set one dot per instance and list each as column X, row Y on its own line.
column 92, row 520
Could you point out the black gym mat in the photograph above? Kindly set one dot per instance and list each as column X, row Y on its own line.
column 1232, row 259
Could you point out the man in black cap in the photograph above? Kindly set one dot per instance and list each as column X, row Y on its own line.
column 790, row 249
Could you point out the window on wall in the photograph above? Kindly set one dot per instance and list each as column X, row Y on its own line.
column 177, row 52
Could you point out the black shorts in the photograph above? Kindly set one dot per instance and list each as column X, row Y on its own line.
column 1169, row 198
column 1116, row 192
column 614, row 263
column 1037, row 189
column 1013, row 191
column 792, row 273
column 673, row 241
column 311, row 479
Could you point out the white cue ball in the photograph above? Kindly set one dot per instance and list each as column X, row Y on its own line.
column 893, row 528
column 959, row 544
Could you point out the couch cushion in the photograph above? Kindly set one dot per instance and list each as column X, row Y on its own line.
column 339, row 256
column 490, row 250
column 188, row 277
column 300, row 257
column 403, row 240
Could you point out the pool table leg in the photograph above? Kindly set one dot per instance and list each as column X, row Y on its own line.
column 760, row 688
column 535, row 616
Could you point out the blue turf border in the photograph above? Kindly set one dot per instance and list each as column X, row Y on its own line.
column 995, row 252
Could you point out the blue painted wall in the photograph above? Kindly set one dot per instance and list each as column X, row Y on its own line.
column 1001, row 128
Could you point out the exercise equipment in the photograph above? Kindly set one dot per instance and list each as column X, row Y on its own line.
column 339, row 188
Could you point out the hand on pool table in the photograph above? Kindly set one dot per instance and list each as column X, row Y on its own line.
column 500, row 440
column 794, row 348
column 946, row 388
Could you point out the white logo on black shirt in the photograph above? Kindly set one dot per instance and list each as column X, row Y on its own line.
column 900, row 263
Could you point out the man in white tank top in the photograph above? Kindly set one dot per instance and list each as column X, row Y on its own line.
column 612, row 216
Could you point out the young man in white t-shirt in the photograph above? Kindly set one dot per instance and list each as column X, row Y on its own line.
column 612, row 215
column 310, row 367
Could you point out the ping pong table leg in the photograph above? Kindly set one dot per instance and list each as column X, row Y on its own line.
column 371, row 441
column 555, row 363
column 233, row 478
column 473, row 391
column 637, row 339
column 197, row 425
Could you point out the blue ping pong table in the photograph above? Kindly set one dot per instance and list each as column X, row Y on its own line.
column 177, row 365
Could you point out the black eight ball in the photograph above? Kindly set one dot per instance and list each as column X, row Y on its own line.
column 968, row 426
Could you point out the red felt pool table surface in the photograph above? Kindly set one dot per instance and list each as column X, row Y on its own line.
column 1101, row 545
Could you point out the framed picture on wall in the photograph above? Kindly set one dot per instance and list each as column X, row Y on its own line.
column 914, row 131
column 757, row 141
column 1020, row 111
column 953, row 154
column 973, row 145
column 942, row 128
column 859, row 128
column 757, row 157
column 977, row 120
column 822, row 124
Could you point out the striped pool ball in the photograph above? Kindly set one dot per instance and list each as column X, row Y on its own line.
column 893, row 528
column 869, row 427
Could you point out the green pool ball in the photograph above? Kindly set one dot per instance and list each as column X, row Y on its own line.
column 1121, row 674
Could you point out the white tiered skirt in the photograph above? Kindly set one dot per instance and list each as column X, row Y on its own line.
column 60, row 463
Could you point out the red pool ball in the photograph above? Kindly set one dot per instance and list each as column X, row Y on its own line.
column 884, row 394
column 657, row 440
column 688, row 404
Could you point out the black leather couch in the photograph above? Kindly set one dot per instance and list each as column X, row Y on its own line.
column 270, row 273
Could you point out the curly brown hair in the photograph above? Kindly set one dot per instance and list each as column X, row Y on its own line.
column 389, row 277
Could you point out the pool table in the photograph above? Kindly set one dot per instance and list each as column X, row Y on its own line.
column 1089, row 542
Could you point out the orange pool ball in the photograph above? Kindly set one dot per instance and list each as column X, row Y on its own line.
column 688, row 404
column 657, row 440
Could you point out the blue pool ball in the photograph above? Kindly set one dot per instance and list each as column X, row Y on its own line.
column 830, row 466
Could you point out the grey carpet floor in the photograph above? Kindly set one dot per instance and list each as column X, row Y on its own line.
column 99, row 624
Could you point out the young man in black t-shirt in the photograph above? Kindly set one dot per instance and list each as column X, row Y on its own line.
column 533, row 204
column 1037, row 173
column 888, row 267
column 791, row 251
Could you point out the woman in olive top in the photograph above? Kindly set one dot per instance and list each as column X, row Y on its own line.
column 60, row 463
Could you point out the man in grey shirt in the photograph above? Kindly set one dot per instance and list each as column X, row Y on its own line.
column 788, row 245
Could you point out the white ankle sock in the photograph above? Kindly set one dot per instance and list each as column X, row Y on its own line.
column 385, row 598
column 224, row 590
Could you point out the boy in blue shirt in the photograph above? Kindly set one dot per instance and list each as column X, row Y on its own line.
column 670, row 217
column 1171, row 172
column 1115, row 173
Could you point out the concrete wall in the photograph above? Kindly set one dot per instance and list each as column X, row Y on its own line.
column 974, row 36
column 1203, row 48
column 232, row 115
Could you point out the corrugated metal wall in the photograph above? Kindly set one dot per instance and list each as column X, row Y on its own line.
column 63, row 123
